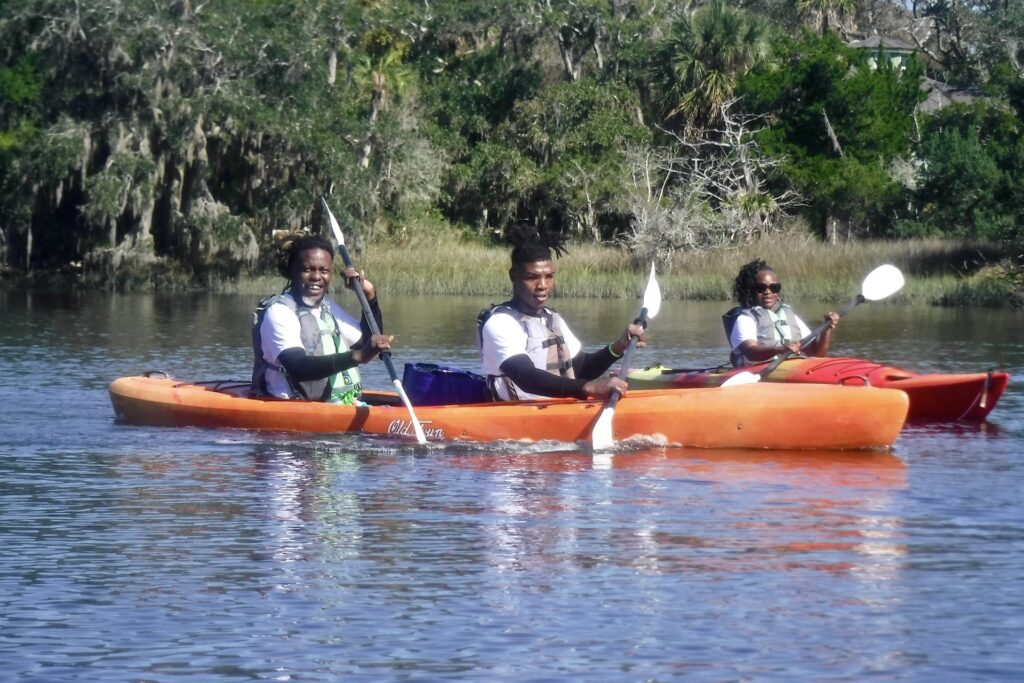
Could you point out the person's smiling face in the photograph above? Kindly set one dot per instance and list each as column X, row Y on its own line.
column 311, row 275
column 766, row 281
column 532, row 285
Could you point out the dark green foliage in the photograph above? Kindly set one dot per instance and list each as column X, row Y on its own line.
column 468, row 102
column 697, row 64
column 183, row 134
column 20, row 106
column 840, row 125
column 870, row 110
column 972, row 177
column 559, row 150
column 21, row 87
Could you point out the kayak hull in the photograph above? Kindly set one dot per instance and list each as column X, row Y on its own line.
column 932, row 396
column 763, row 416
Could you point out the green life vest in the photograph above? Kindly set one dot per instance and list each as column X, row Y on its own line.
column 345, row 385
column 320, row 336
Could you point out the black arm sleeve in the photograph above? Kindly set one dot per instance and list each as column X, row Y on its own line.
column 520, row 370
column 594, row 364
column 364, row 325
column 304, row 368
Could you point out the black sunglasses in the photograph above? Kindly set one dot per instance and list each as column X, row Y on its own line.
column 762, row 287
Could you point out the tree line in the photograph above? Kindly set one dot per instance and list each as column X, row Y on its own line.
column 138, row 135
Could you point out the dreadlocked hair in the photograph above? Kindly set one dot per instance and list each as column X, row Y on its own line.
column 295, row 244
column 533, row 243
column 743, row 286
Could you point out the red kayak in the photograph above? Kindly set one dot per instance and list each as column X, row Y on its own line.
column 932, row 396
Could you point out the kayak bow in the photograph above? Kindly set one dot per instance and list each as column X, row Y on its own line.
column 932, row 396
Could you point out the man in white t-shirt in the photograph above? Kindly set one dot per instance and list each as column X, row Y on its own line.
column 527, row 351
column 306, row 346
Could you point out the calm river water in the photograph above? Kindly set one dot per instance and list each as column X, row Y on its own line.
column 138, row 554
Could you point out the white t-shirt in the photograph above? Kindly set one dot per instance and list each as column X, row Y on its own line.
column 280, row 330
column 746, row 328
column 503, row 337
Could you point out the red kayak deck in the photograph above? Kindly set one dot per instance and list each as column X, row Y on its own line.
column 730, row 417
column 932, row 396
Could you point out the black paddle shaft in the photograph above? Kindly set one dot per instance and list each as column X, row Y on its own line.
column 627, row 357
column 357, row 284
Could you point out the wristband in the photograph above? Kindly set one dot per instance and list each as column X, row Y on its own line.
column 611, row 350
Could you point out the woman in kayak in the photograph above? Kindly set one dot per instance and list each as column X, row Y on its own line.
column 305, row 345
column 762, row 326
column 527, row 350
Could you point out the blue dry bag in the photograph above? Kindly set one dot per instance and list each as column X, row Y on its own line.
column 434, row 385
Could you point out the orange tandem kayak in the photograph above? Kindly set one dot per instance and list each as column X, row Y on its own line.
column 763, row 416
column 933, row 396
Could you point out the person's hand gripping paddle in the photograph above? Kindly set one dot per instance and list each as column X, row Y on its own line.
column 882, row 282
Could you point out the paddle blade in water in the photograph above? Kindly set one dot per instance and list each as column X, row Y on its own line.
column 601, row 437
column 883, row 281
column 416, row 426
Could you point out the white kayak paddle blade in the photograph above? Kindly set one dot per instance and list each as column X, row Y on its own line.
column 339, row 237
column 416, row 426
column 741, row 378
column 882, row 282
column 601, row 437
column 652, row 295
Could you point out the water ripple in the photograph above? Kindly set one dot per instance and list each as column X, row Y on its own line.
column 137, row 554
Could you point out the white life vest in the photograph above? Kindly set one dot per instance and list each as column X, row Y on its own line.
column 545, row 345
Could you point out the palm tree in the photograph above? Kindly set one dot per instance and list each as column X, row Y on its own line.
column 827, row 12
column 702, row 58
column 380, row 76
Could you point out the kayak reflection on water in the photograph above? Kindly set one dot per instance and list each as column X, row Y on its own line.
column 774, row 510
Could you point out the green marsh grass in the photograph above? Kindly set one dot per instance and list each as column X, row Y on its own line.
column 938, row 272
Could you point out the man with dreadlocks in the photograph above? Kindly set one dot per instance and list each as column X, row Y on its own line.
column 305, row 345
column 527, row 350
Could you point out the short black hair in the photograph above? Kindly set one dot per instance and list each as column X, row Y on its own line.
column 743, row 287
column 291, row 250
